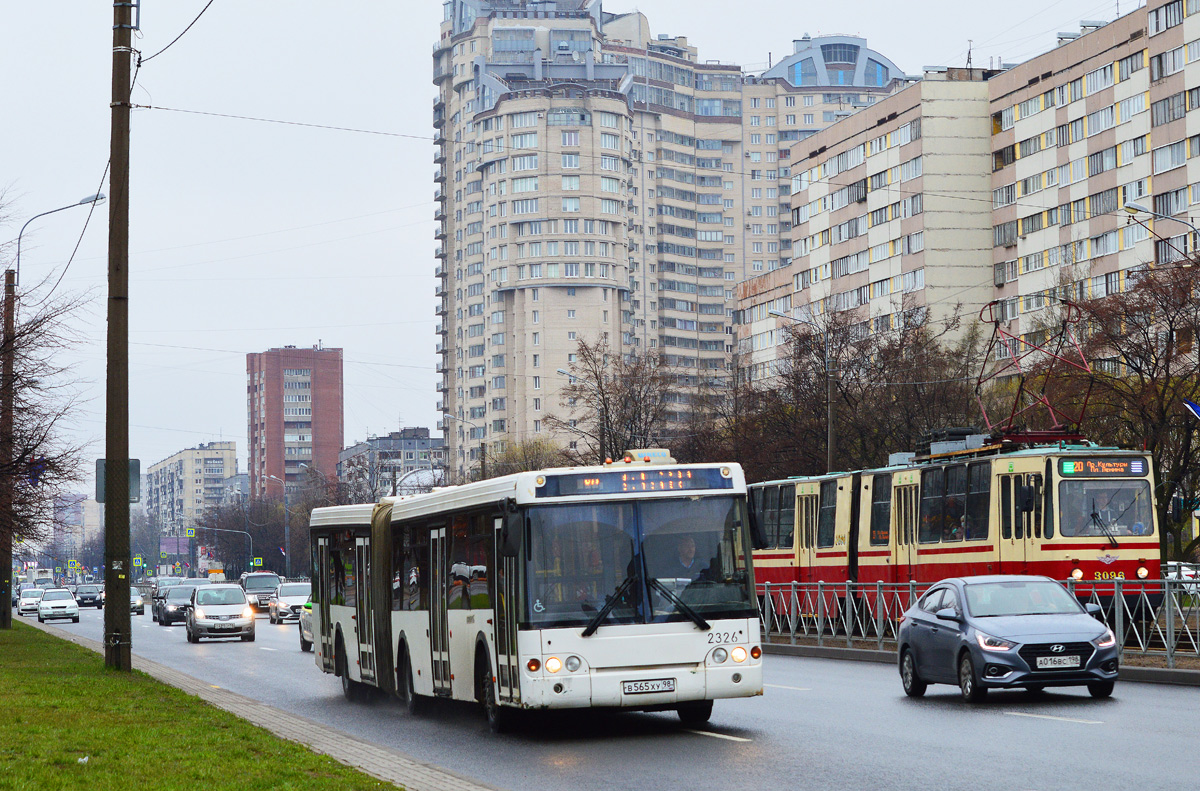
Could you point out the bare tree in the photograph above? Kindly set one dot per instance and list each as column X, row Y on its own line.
column 527, row 455
column 613, row 402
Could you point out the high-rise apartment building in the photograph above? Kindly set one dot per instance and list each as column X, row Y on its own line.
column 1108, row 118
column 296, row 417
column 181, row 486
column 595, row 183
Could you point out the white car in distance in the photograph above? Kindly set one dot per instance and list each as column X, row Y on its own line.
column 287, row 601
column 28, row 603
column 57, row 603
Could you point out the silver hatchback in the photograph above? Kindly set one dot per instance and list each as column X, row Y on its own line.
column 219, row 611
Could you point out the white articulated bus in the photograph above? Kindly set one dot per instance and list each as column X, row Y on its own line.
column 627, row 585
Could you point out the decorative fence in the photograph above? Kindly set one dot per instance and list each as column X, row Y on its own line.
column 1159, row 618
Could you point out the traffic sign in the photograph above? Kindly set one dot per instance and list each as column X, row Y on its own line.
column 137, row 561
column 258, row 561
column 58, row 569
column 162, row 555
column 190, row 532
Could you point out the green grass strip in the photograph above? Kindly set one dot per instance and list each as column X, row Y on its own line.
column 59, row 703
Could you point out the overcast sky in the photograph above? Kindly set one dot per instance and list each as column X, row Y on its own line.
column 248, row 235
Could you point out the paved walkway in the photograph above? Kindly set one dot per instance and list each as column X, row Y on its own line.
column 380, row 762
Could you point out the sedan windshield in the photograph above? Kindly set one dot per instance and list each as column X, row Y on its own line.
column 647, row 560
column 180, row 593
column 36, row 593
column 269, row 583
column 87, row 589
column 56, row 595
column 1102, row 507
column 295, row 589
column 1020, row 597
column 216, row 596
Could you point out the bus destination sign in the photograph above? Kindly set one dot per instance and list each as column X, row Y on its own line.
column 1103, row 468
column 634, row 480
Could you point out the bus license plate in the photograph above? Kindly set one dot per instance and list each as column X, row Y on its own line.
column 653, row 685
column 1057, row 662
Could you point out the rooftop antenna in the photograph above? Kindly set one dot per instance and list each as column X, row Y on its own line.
column 969, row 44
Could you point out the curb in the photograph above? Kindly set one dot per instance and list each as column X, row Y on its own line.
column 380, row 762
column 1146, row 675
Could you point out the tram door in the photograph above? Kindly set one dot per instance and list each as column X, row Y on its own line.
column 1020, row 521
column 506, row 602
column 906, row 532
column 364, row 623
column 808, row 511
column 324, row 628
column 439, row 629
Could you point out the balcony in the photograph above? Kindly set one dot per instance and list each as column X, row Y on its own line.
column 439, row 328
column 440, row 252
column 440, row 158
column 442, row 309
column 442, row 387
column 440, row 366
column 440, row 269
column 439, row 347
column 440, row 235
column 439, row 214
column 440, row 289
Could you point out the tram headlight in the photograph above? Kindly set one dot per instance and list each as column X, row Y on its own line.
column 726, row 472
column 534, row 665
column 720, row 655
column 738, row 654
column 553, row 664
column 1143, row 572
column 573, row 663
column 540, row 481
column 1076, row 573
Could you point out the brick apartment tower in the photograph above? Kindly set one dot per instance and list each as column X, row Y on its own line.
column 295, row 415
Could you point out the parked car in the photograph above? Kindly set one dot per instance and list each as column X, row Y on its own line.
column 89, row 596
column 173, row 607
column 219, row 611
column 305, row 625
column 57, row 603
column 1187, row 572
column 1003, row 631
column 287, row 600
column 258, row 586
column 28, row 603
column 137, row 604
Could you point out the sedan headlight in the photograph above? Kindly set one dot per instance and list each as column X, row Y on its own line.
column 247, row 613
column 1106, row 640
column 197, row 614
column 989, row 643
column 171, row 608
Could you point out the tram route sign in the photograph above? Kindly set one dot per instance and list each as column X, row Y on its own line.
column 1103, row 467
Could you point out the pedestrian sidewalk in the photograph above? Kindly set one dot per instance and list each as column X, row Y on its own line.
column 380, row 762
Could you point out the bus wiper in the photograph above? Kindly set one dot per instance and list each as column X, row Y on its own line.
column 683, row 608
column 1096, row 520
column 622, row 589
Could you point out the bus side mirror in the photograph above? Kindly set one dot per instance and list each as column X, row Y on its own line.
column 510, row 536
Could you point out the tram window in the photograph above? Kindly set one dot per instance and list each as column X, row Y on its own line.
column 1006, row 506
column 809, row 520
column 881, row 509
column 771, row 514
column 827, row 523
column 787, row 515
column 979, row 479
column 1048, row 509
column 955, row 507
column 1034, row 518
column 933, row 486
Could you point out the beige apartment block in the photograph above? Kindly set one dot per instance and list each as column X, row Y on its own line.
column 597, row 182
column 891, row 214
column 180, row 487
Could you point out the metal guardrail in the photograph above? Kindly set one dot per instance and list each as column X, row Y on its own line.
column 1153, row 618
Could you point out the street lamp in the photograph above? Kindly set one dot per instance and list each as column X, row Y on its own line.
column 1137, row 208
column 287, row 533
column 482, row 444
column 97, row 198
column 602, row 408
column 830, row 435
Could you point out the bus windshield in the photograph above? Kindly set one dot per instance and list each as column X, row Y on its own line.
column 1107, row 506
column 648, row 556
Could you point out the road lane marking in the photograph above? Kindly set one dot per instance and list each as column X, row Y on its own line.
column 1048, row 717
column 718, row 735
column 794, row 689
column 264, row 648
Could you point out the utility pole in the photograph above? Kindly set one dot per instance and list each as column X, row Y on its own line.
column 8, row 522
column 117, row 629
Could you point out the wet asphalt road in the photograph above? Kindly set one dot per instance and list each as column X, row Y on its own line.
column 822, row 724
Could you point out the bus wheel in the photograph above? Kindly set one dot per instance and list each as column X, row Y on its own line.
column 352, row 690
column 499, row 718
column 695, row 712
column 412, row 701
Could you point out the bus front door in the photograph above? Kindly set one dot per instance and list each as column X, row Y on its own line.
column 439, row 629
column 323, row 627
column 364, row 624
column 506, row 602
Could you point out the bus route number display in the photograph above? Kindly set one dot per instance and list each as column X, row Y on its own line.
column 633, row 480
column 1103, row 468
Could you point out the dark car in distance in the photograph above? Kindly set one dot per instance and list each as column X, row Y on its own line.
column 1004, row 631
column 89, row 596
column 173, row 605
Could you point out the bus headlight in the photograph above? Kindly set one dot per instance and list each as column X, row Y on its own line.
column 1143, row 572
column 553, row 665
column 1077, row 574
column 720, row 655
column 573, row 664
column 738, row 654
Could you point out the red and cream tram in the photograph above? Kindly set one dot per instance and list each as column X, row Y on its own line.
column 1066, row 511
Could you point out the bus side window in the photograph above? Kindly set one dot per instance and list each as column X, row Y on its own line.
column 1006, row 506
column 771, row 515
column 480, row 554
column 881, row 510
column 787, row 515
